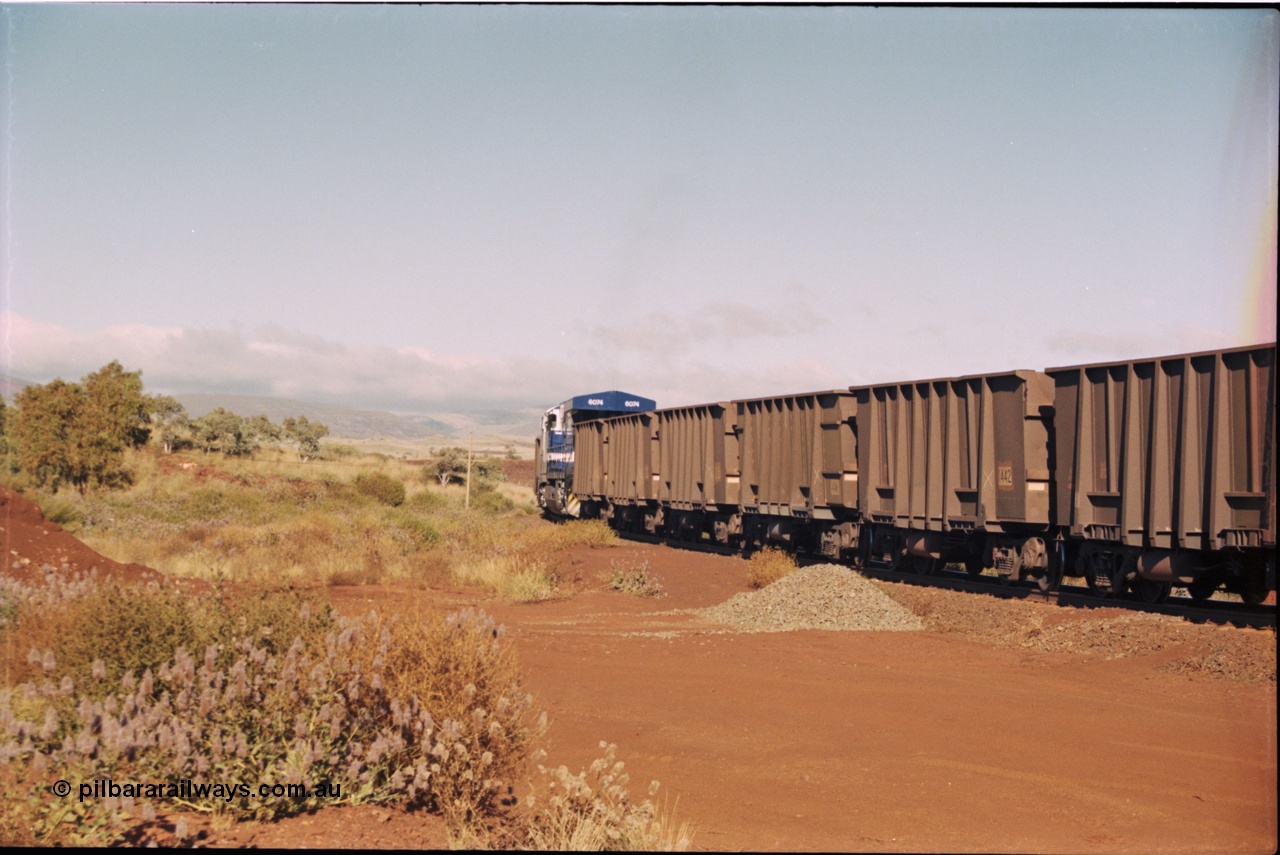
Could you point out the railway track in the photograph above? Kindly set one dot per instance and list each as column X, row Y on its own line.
column 1222, row 613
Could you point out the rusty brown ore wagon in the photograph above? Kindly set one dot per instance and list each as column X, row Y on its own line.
column 958, row 470
column 1166, row 472
column 616, row 477
column 697, row 472
column 798, row 466
column 779, row 470
column 1135, row 475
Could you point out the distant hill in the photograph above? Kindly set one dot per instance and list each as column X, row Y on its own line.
column 10, row 386
column 342, row 421
column 523, row 423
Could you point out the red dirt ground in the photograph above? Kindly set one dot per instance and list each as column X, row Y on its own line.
column 934, row 741
column 32, row 543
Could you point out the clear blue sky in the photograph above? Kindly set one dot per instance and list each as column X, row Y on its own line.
column 439, row 208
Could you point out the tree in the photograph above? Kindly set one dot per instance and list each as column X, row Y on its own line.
column 76, row 433
column 209, row 430
column 262, row 430
column 169, row 420
column 116, row 408
column 44, row 432
column 449, row 464
column 305, row 435
column 232, row 434
column 225, row 431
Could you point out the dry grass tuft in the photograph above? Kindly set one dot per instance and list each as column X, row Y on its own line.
column 461, row 669
column 593, row 811
column 593, row 533
column 517, row 578
column 634, row 579
column 768, row 566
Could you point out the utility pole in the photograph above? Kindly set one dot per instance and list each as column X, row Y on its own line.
column 470, row 437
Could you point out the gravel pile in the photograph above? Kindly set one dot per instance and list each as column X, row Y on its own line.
column 1136, row 634
column 820, row 597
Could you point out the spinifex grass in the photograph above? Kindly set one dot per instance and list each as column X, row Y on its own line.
column 769, row 565
column 519, row 561
column 333, row 522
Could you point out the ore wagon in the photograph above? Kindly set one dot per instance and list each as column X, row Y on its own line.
column 1166, row 472
column 630, row 492
column 798, row 471
column 958, row 470
column 697, row 473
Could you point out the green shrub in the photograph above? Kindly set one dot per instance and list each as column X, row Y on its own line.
column 421, row 531
column 428, row 500
column 123, row 630
column 63, row 510
column 382, row 487
column 487, row 471
column 492, row 502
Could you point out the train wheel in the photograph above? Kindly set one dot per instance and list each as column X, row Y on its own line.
column 1150, row 591
column 862, row 554
column 973, row 566
column 1051, row 579
column 1106, row 578
column 1203, row 588
column 1254, row 596
column 1117, row 588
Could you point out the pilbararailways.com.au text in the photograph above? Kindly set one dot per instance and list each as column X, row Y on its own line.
column 189, row 790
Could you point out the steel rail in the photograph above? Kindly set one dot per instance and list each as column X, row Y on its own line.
column 1221, row 613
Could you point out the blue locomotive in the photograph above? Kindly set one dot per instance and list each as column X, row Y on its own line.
column 553, row 448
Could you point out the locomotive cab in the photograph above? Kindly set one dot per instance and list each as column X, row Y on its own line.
column 553, row 448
